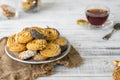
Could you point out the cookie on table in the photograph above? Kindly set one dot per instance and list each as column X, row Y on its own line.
column 62, row 42
column 14, row 46
column 51, row 50
column 38, row 33
column 7, row 10
column 26, row 54
column 52, row 34
column 37, row 44
column 24, row 36
column 82, row 22
column 116, row 74
column 39, row 57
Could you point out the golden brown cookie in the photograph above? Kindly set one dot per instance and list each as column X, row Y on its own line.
column 52, row 34
column 116, row 74
column 39, row 57
column 14, row 46
column 24, row 36
column 11, row 40
column 62, row 42
column 37, row 44
column 82, row 22
column 51, row 50
column 17, row 47
column 39, row 33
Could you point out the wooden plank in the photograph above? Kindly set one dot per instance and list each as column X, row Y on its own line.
column 62, row 14
column 87, row 42
column 92, row 66
column 74, row 78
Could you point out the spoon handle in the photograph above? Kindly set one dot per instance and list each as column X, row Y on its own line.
column 106, row 37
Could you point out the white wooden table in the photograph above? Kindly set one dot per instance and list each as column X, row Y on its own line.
column 98, row 54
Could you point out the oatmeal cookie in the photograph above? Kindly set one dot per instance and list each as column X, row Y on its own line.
column 24, row 36
column 51, row 50
column 39, row 33
column 52, row 34
column 116, row 74
column 37, row 44
column 26, row 54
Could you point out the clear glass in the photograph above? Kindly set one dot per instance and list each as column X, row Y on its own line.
column 9, row 9
column 31, row 5
column 97, row 16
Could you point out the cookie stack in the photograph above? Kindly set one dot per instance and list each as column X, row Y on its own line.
column 37, row 43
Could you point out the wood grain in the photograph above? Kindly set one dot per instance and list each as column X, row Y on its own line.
column 63, row 14
column 75, row 78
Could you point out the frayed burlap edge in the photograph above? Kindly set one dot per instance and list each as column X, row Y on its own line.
column 13, row 70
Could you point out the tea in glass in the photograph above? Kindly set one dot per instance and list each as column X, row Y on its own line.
column 97, row 15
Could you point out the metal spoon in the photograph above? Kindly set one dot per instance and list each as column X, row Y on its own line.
column 115, row 28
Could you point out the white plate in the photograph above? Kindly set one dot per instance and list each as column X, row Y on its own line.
column 31, row 61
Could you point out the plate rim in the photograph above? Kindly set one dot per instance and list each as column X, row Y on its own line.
column 38, row 62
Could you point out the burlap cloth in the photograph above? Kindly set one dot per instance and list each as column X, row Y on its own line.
column 13, row 70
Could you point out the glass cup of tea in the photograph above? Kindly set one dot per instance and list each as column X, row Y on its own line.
column 97, row 16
